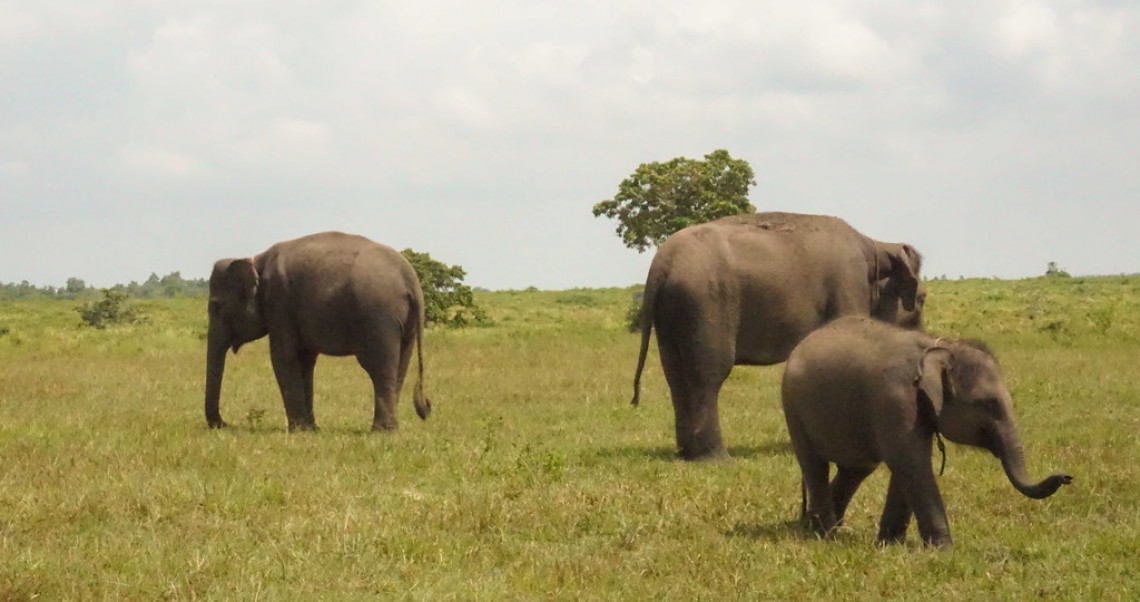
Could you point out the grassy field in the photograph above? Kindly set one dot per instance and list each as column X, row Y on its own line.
column 534, row 479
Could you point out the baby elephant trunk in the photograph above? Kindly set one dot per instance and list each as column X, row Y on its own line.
column 1013, row 461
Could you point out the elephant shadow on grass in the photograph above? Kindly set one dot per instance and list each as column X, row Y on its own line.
column 782, row 447
column 788, row 530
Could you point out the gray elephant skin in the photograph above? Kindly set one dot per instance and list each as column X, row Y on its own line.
column 743, row 290
column 329, row 293
column 858, row 393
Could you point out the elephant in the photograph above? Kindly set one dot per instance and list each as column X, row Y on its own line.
column 744, row 289
column 859, row 392
column 329, row 293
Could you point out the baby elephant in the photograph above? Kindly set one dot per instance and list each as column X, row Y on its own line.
column 858, row 392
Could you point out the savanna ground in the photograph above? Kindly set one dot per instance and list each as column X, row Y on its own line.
column 533, row 478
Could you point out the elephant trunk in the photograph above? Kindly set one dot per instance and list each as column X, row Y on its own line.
column 217, row 343
column 1012, row 458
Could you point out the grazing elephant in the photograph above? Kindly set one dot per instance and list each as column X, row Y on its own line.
column 331, row 293
column 743, row 290
column 858, row 392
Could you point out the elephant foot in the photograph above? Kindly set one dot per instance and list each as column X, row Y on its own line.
column 821, row 523
column 384, row 428
column 889, row 539
column 303, row 427
column 217, row 423
column 716, row 454
column 939, row 542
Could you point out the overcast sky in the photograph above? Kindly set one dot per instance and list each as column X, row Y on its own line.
column 137, row 137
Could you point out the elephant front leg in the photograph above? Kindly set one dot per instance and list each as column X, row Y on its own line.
column 290, row 369
column 896, row 515
column 919, row 487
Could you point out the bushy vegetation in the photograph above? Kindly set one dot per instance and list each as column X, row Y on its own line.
column 447, row 301
column 114, row 308
column 533, row 478
column 155, row 287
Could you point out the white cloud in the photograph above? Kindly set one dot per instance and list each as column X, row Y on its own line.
column 14, row 169
column 517, row 111
column 159, row 162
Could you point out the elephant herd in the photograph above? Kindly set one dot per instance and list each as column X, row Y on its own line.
column 863, row 385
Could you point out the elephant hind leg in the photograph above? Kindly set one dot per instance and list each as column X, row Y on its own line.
column 843, row 487
column 820, row 513
column 817, row 510
column 382, row 360
column 694, row 384
column 308, row 361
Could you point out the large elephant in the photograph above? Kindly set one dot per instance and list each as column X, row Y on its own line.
column 331, row 293
column 858, row 393
column 743, row 290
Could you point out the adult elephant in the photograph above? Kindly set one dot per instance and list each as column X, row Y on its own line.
column 858, row 393
column 329, row 293
column 743, row 290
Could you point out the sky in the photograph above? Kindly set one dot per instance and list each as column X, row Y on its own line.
column 141, row 137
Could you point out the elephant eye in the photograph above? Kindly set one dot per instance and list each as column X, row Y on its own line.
column 993, row 407
column 214, row 307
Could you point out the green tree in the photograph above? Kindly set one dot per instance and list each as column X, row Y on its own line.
column 661, row 198
column 1054, row 271
column 447, row 300
column 75, row 286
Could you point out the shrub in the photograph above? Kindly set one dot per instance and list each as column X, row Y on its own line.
column 447, row 300
column 633, row 316
column 114, row 308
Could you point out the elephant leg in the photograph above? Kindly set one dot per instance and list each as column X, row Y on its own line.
column 308, row 361
column 820, row 512
column 921, row 491
column 289, row 368
column 847, row 480
column 694, row 384
column 381, row 360
column 896, row 514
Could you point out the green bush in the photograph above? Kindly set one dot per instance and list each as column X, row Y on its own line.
column 114, row 308
column 447, row 300
column 633, row 315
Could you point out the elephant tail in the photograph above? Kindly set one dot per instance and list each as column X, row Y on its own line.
column 419, row 400
column 648, row 301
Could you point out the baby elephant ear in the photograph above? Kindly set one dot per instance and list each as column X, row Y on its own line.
column 933, row 379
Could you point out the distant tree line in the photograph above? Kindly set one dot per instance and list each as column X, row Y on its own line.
column 155, row 287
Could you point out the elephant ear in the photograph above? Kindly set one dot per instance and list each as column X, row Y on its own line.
column 905, row 264
column 933, row 382
column 242, row 274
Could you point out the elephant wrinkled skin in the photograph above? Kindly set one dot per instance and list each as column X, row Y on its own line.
column 743, row 290
column 858, row 393
column 329, row 293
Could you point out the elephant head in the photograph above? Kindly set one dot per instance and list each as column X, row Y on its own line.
column 897, row 294
column 963, row 395
column 235, row 319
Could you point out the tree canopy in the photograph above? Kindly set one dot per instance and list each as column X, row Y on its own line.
column 447, row 300
column 661, row 198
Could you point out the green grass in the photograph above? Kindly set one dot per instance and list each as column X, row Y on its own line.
column 533, row 478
